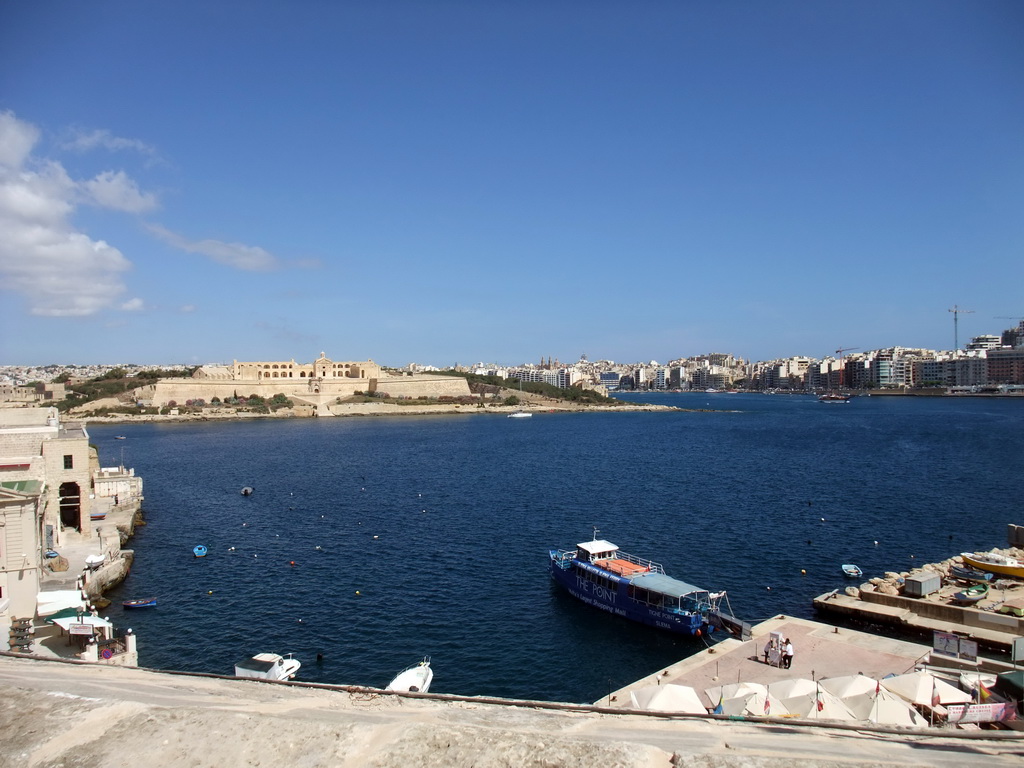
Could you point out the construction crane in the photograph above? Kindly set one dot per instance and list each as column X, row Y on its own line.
column 956, row 316
column 840, row 352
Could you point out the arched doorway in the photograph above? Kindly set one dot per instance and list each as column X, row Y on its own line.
column 70, row 505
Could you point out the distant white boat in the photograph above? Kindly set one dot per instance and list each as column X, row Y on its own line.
column 268, row 666
column 414, row 679
column 520, row 415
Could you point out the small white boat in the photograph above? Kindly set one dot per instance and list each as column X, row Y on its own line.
column 414, row 679
column 268, row 666
column 520, row 415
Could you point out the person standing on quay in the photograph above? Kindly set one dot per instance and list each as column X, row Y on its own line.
column 787, row 654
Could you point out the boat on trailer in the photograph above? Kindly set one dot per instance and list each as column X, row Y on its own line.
column 601, row 575
column 414, row 679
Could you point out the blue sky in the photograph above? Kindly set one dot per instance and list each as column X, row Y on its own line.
column 447, row 182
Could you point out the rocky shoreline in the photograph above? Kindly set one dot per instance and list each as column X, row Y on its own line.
column 347, row 410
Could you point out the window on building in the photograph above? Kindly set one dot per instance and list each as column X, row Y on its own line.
column 69, row 461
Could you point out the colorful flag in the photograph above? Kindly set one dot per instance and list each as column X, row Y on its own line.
column 878, row 687
column 821, row 704
column 983, row 692
column 767, row 706
column 935, row 694
column 718, row 710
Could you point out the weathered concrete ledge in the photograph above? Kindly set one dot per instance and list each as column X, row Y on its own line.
column 88, row 715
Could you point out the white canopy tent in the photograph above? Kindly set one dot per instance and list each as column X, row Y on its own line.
column 734, row 690
column 819, row 706
column 884, row 708
column 94, row 621
column 849, row 685
column 753, row 704
column 924, row 689
column 796, row 686
column 49, row 603
column 668, row 698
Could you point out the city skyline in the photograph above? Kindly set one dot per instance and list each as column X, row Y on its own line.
column 477, row 181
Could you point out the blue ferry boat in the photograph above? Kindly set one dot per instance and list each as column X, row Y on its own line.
column 600, row 574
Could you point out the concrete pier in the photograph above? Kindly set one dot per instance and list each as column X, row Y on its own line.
column 820, row 651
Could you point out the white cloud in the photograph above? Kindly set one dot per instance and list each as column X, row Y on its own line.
column 116, row 190
column 16, row 140
column 81, row 140
column 248, row 257
column 60, row 271
column 133, row 305
column 187, row 308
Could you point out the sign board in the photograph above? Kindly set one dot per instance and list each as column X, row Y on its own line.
column 1018, row 649
column 80, row 629
column 946, row 643
column 968, row 649
column 980, row 713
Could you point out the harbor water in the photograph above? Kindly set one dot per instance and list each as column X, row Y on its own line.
column 374, row 542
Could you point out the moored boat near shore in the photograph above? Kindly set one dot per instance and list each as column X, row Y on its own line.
column 601, row 575
column 145, row 602
column 414, row 679
column 268, row 666
column 853, row 571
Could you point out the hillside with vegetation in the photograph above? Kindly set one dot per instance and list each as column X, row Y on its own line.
column 506, row 389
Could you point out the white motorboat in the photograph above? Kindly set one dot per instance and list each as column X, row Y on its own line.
column 520, row 415
column 268, row 666
column 414, row 679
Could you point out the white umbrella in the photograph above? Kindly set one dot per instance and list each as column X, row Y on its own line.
column 848, row 685
column 668, row 698
column 924, row 688
column 796, row 686
column 754, row 704
column 884, row 708
column 820, row 706
column 734, row 690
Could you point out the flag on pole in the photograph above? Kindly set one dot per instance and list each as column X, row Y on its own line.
column 935, row 694
column 767, row 706
column 718, row 709
column 983, row 692
column 878, row 687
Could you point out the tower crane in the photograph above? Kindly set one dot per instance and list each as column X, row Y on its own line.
column 841, row 351
column 956, row 316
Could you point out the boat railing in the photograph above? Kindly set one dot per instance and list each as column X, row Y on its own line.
column 563, row 558
column 650, row 565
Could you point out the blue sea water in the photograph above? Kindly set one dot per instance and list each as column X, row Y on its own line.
column 420, row 536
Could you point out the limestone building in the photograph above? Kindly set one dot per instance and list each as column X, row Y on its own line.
column 318, row 384
column 35, row 445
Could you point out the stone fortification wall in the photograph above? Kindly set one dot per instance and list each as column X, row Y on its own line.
column 422, row 386
column 182, row 390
